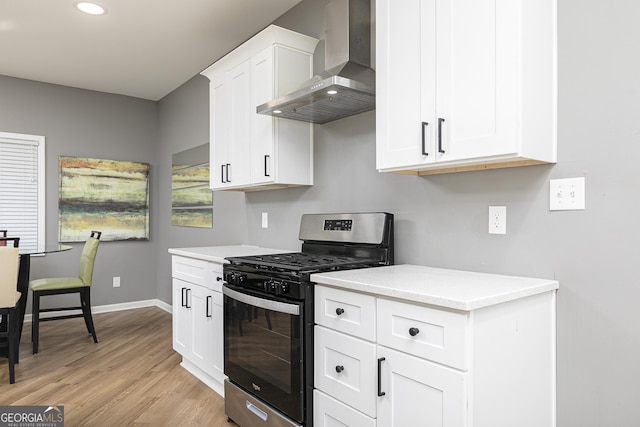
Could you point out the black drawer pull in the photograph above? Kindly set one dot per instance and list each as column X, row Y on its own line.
column 380, row 392
column 339, row 311
column 424, row 136
column 339, row 368
column 218, row 279
column 440, row 135
column 414, row 331
column 184, row 304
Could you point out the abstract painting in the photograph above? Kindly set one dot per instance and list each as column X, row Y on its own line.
column 191, row 197
column 110, row 196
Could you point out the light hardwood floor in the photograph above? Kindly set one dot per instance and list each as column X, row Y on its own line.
column 132, row 377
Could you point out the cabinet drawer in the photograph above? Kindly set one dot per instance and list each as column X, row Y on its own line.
column 437, row 335
column 215, row 271
column 191, row 270
column 345, row 311
column 345, row 368
column 328, row 412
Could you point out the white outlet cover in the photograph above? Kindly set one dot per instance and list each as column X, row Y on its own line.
column 567, row 194
column 265, row 220
column 497, row 220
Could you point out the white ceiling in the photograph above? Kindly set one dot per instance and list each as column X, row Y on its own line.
column 140, row 48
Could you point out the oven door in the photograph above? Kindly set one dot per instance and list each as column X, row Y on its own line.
column 263, row 347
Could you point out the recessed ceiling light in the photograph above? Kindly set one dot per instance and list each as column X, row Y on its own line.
column 332, row 92
column 91, row 8
column 277, row 111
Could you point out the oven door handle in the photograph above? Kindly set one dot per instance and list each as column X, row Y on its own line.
column 268, row 304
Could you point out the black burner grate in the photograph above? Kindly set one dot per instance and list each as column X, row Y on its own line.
column 300, row 261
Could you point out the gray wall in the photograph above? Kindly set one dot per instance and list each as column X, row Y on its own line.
column 83, row 123
column 440, row 220
column 184, row 124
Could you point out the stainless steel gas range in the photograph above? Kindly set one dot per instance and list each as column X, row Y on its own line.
column 269, row 315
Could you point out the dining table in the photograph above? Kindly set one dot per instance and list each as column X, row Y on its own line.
column 23, row 277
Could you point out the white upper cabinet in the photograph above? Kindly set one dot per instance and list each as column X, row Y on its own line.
column 465, row 84
column 251, row 151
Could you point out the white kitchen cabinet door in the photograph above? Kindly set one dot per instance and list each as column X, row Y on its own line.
column 405, row 83
column 240, row 119
column 465, row 84
column 419, row 393
column 476, row 79
column 182, row 318
column 201, row 328
column 214, row 323
column 219, row 131
column 281, row 149
column 262, row 138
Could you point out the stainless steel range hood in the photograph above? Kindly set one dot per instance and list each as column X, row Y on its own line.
column 347, row 86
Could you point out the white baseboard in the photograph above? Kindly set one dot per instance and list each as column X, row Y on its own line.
column 111, row 307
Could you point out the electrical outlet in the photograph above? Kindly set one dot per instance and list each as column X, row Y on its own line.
column 265, row 220
column 116, row 282
column 567, row 194
column 497, row 220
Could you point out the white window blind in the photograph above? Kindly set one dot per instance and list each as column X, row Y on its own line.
column 22, row 188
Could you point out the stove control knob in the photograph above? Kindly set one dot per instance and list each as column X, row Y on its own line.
column 283, row 288
column 275, row 287
column 270, row 286
column 241, row 279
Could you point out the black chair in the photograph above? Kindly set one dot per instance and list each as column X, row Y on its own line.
column 9, row 297
column 66, row 285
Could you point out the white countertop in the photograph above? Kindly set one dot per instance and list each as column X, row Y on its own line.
column 219, row 253
column 461, row 290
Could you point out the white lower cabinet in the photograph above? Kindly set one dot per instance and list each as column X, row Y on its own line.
column 197, row 318
column 419, row 393
column 394, row 363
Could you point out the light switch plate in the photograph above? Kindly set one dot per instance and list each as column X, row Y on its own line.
column 567, row 194
column 265, row 220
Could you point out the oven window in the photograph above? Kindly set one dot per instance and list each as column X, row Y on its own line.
column 260, row 341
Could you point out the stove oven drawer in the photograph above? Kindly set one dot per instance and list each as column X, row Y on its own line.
column 436, row 335
column 345, row 311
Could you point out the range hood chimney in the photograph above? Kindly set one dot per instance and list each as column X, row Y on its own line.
column 347, row 86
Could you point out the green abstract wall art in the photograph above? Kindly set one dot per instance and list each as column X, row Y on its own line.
column 191, row 197
column 107, row 195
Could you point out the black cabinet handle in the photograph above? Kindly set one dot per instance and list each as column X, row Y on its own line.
column 222, row 173
column 188, row 298
column 209, row 299
column 184, row 304
column 218, row 279
column 440, row 135
column 424, row 137
column 339, row 368
column 339, row 311
column 414, row 331
column 266, row 162
column 380, row 392
column 227, row 175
